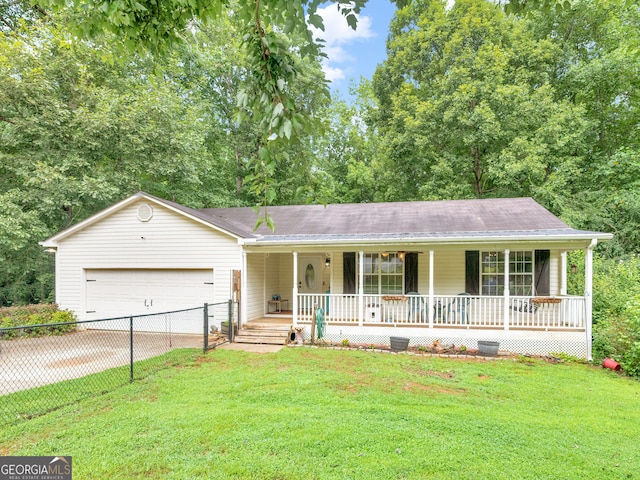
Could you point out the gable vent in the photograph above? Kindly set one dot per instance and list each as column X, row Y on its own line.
column 145, row 212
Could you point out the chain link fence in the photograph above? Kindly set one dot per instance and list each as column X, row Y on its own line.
column 45, row 367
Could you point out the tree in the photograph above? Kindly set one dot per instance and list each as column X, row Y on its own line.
column 15, row 13
column 156, row 25
column 348, row 152
column 598, row 69
column 467, row 108
column 78, row 131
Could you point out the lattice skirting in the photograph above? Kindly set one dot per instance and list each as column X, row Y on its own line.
column 514, row 341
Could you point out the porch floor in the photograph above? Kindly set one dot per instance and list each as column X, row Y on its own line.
column 273, row 320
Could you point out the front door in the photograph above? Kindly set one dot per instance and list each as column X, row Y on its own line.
column 309, row 274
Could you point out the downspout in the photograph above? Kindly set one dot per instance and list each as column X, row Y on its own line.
column 588, row 296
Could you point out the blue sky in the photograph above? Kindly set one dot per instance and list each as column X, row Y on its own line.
column 352, row 54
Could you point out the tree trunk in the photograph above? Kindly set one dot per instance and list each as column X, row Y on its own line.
column 239, row 179
column 477, row 171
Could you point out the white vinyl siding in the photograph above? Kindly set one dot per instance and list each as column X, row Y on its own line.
column 285, row 281
column 449, row 271
column 271, row 276
column 423, row 273
column 168, row 241
column 255, row 294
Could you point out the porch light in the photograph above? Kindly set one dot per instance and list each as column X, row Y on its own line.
column 384, row 254
column 401, row 256
column 574, row 269
column 327, row 262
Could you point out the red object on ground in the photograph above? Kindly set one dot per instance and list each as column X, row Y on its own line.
column 610, row 363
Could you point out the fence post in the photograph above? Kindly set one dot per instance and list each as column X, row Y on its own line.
column 206, row 327
column 230, row 320
column 131, row 348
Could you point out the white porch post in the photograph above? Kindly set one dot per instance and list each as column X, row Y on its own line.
column 506, row 289
column 294, row 293
column 588, row 290
column 563, row 273
column 431, row 289
column 361, row 288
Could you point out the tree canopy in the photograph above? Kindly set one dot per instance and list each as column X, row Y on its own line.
column 475, row 102
column 207, row 104
column 468, row 108
column 82, row 126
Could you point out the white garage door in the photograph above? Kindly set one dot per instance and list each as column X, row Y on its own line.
column 114, row 293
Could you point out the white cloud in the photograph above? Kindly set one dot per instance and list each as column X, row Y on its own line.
column 338, row 35
column 337, row 54
column 333, row 74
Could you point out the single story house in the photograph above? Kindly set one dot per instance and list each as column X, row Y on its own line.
column 456, row 271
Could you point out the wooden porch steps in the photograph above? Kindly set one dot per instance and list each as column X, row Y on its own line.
column 268, row 334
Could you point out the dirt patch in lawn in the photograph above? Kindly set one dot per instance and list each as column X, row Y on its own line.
column 432, row 373
column 419, row 387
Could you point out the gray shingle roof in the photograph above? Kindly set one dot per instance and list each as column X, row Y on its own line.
column 460, row 216
column 450, row 220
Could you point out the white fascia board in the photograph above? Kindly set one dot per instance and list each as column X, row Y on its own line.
column 563, row 238
column 246, row 241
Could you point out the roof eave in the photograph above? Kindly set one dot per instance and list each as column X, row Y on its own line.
column 461, row 239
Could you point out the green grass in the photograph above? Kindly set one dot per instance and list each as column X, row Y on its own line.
column 25, row 404
column 325, row 414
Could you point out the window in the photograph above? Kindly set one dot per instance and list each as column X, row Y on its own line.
column 383, row 274
column 492, row 273
column 520, row 273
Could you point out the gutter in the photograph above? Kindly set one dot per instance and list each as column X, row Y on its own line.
column 427, row 240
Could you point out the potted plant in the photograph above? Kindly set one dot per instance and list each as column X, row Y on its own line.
column 488, row 348
column 399, row 344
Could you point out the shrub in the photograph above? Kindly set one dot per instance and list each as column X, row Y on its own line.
column 42, row 314
column 616, row 308
column 619, row 338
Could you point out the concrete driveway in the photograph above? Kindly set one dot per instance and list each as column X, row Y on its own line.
column 32, row 362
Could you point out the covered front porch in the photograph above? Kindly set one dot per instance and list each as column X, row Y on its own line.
column 432, row 298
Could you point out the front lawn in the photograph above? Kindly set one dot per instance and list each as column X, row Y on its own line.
column 307, row 413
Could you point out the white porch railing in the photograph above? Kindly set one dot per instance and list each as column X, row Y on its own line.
column 462, row 311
